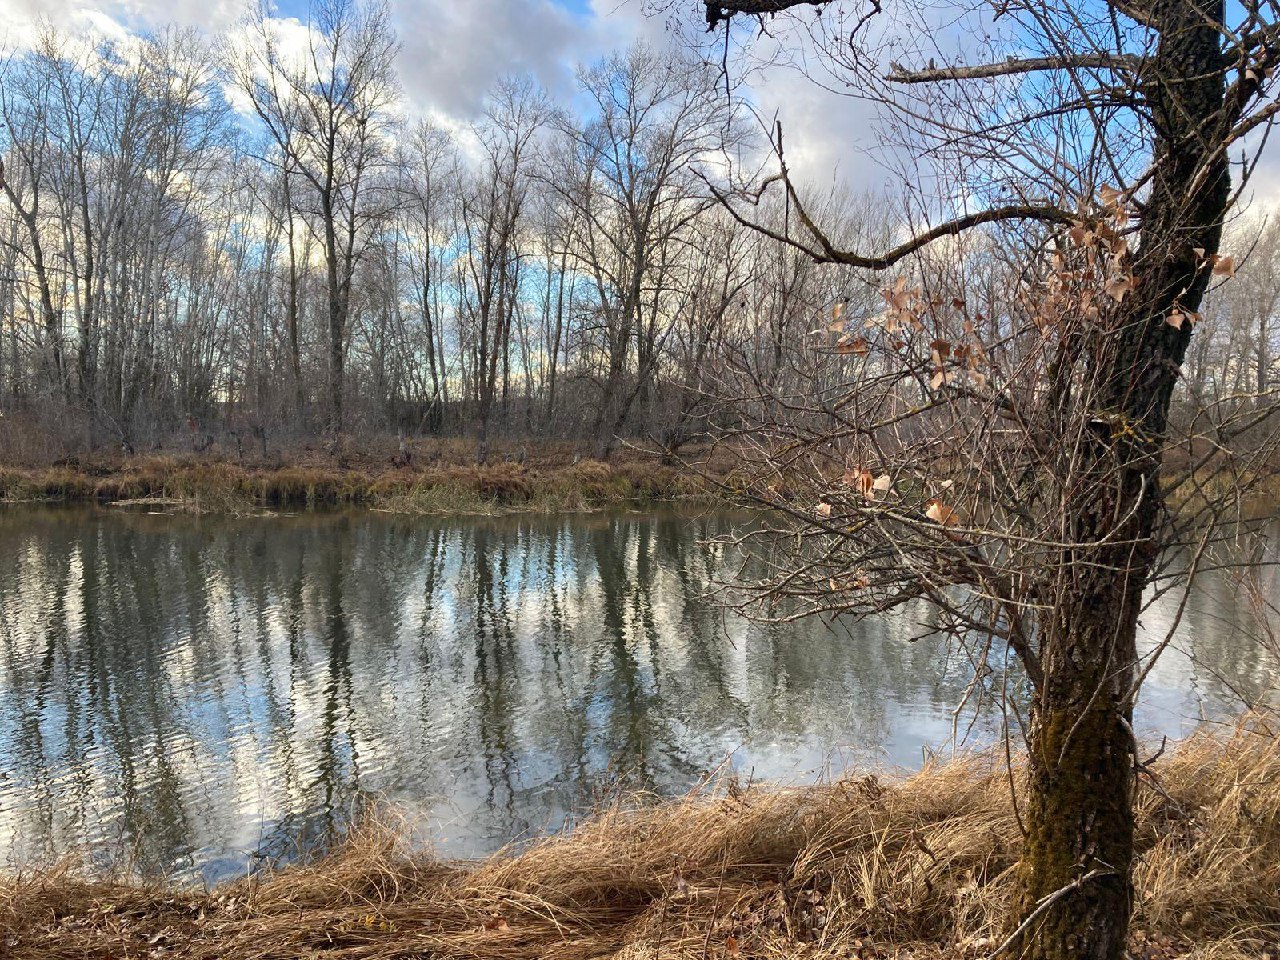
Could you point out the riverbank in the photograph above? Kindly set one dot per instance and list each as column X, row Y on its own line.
column 440, row 478
column 865, row 868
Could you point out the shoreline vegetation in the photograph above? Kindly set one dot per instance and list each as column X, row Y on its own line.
column 442, row 477
column 435, row 477
column 863, row 867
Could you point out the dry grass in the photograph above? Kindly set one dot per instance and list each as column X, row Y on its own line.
column 438, row 481
column 861, row 868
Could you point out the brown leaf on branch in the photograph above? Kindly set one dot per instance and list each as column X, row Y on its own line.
column 1118, row 288
column 857, row 346
column 941, row 514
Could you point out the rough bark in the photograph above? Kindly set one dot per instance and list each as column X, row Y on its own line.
column 1082, row 751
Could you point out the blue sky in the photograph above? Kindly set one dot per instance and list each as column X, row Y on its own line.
column 298, row 8
column 453, row 51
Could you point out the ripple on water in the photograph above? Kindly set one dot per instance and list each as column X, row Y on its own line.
column 202, row 696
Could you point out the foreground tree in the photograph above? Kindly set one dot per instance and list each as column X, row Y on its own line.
column 1006, row 460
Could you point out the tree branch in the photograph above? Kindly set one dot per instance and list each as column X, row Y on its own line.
column 724, row 9
column 1085, row 61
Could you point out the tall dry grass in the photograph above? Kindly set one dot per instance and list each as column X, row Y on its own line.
column 424, row 487
column 865, row 867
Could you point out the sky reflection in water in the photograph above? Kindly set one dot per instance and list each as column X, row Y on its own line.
column 199, row 694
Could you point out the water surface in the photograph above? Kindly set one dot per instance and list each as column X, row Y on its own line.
column 203, row 694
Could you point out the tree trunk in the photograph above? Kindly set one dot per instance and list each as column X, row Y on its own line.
column 1079, row 847
column 291, row 315
column 1075, row 892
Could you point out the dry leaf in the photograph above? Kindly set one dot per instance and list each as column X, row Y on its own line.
column 1175, row 319
column 1118, row 288
column 857, row 346
column 940, row 513
column 823, row 510
column 1224, row 266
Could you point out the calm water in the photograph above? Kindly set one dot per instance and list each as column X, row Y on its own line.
column 204, row 694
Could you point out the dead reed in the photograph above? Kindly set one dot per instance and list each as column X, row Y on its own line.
column 864, row 867
column 427, row 485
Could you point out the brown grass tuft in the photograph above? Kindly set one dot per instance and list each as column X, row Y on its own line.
column 863, row 867
column 431, row 484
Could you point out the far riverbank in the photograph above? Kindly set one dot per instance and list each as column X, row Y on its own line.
column 426, row 477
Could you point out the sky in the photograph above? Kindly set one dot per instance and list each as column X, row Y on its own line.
column 453, row 50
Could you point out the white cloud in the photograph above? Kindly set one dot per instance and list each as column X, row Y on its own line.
column 107, row 17
column 453, row 51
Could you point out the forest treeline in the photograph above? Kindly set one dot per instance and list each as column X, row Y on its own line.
column 247, row 243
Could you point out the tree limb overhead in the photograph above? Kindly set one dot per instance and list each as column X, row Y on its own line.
column 1012, row 66
column 723, row 10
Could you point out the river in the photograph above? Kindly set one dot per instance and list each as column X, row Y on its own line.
column 196, row 696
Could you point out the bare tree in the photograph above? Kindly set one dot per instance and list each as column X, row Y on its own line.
column 492, row 217
column 327, row 112
column 634, row 192
column 432, row 170
column 25, row 105
column 1234, row 349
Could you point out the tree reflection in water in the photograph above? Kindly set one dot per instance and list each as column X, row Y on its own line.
column 201, row 694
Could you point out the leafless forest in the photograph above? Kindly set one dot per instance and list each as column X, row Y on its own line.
column 237, row 244
column 244, row 247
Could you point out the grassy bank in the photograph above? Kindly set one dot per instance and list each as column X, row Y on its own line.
column 865, row 867
column 439, row 481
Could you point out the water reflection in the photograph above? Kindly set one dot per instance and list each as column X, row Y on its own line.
column 205, row 693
